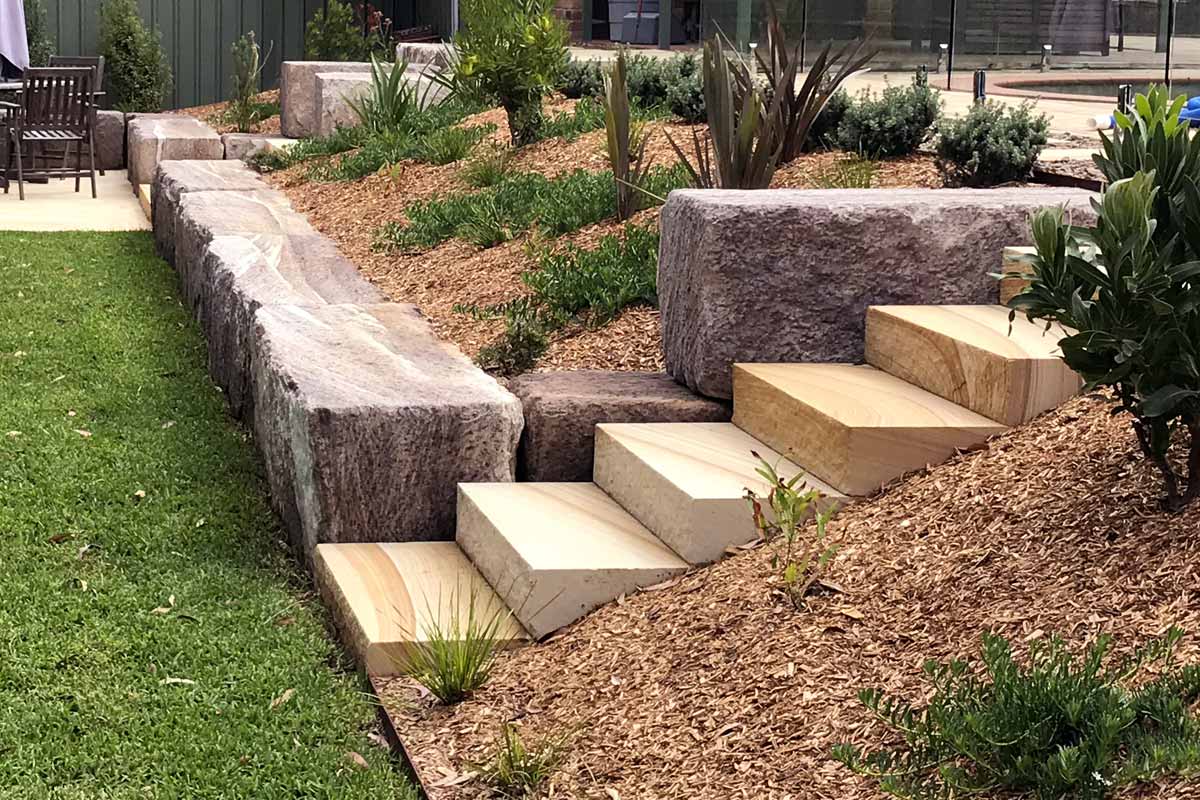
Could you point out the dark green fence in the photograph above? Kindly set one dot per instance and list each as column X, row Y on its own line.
column 197, row 34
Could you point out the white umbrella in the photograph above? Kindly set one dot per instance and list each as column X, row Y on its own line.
column 13, row 45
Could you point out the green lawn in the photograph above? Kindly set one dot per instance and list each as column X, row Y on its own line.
column 156, row 640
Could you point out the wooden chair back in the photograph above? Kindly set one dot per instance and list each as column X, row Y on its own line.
column 94, row 62
column 57, row 99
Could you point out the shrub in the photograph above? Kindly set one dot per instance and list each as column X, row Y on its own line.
column 243, row 110
column 582, row 79
column 37, row 33
column 335, row 34
column 685, row 98
column 490, row 165
column 588, row 115
column 991, row 144
column 822, row 134
column 392, row 101
column 516, row 770
column 447, row 145
column 894, row 123
column 511, row 52
column 1059, row 727
column 523, row 342
column 139, row 77
column 1130, row 295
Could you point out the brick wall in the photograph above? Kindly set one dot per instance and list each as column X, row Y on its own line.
column 571, row 13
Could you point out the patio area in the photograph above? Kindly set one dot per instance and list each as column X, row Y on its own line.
column 55, row 206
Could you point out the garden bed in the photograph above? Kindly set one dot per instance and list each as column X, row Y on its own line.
column 714, row 686
column 215, row 115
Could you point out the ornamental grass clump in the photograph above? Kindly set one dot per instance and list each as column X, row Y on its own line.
column 1060, row 726
column 1128, row 289
column 518, row 770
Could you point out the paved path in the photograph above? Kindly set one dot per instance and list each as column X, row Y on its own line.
column 54, row 206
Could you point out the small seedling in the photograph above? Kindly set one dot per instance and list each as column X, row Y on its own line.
column 517, row 770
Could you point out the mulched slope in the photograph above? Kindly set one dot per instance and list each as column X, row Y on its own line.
column 213, row 115
column 714, row 687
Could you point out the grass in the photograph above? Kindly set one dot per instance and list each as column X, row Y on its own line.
column 155, row 638
column 518, row 770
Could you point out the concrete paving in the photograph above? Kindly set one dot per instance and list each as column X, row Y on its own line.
column 55, row 206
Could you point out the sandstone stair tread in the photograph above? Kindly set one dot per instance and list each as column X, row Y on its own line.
column 687, row 481
column 387, row 596
column 972, row 356
column 855, row 427
column 555, row 551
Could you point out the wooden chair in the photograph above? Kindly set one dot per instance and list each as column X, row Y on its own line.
column 95, row 63
column 57, row 106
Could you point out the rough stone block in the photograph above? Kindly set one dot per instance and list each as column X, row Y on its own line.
column 176, row 178
column 435, row 54
column 768, row 276
column 243, row 146
column 110, row 140
column 562, row 410
column 239, row 274
column 367, row 423
column 153, row 139
column 335, row 91
column 297, row 93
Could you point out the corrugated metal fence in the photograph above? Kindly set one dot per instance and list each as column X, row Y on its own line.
column 197, row 34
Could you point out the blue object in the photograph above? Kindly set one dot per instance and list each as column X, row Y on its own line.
column 1190, row 113
column 1193, row 102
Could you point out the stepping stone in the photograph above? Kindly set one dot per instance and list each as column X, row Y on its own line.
column 367, row 422
column 968, row 355
column 555, row 551
column 687, row 482
column 854, row 427
column 154, row 139
column 386, row 598
column 243, row 273
column 176, row 178
column 298, row 93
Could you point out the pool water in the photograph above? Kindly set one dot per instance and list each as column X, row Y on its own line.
column 1105, row 88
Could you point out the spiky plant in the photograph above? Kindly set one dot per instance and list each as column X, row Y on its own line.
column 518, row 770
column 626, row 149
column 247, row 73
column 392, row 102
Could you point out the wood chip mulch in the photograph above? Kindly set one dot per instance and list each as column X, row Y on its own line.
column 459, row 273
column 714, row 687
column 213, row 115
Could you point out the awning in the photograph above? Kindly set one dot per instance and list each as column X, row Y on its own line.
column 12, row 33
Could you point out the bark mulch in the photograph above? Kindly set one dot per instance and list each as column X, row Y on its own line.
column 459, row 273
column 713, row 686
column 213, row 115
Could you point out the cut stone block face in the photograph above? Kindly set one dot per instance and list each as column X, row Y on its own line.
column 387, row 597
column 154, row 139
column 203, row 216
column 110, row 140
column 854, row 427
column 787, row 275
column 239, row 274
column 687, row 482
column 243, row 146
column 334, row 92
column 176, row 178
column 969, row 355
column 555, row 551
column 298, row 93
column 435, row 54
column 562, row 410
column 366, row 422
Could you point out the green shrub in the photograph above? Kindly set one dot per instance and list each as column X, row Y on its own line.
column 588, row 115
column 37, row 33
column 335, row 34
column 523, row 342
column 517, row 770
column 392, row 102
column 822, row 135
column 489, row 166
column 512, row 53
column 135, row 66
column 1130, row 295
column 992, row 144
column 581, row 79
column 1060, row 727
column 447, row 145
column 243, row 111
column 893, row 123
column 685, row 98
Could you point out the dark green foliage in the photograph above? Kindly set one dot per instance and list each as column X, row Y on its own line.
column 340, row 141
column 1060, row 727
column 655, row 84
column 893, row 123
column 135, row 66
column 489, row 166
column 243, row 111
column 37, row 32
column 588, row 115
column 335, row 34
column 523, row 342
column 822, row 135
column 992, row 144
column 685, row 98
column 512, row 53
column 581, row 79
column 447, row 145
column 517, row 770
column 392, row 102
column 651, row 78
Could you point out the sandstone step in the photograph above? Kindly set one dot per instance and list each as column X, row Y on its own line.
column 855, row 427
column 687, row 482
column 555, row 551
column 969, row 355
column 388, row 597
column 143, row 196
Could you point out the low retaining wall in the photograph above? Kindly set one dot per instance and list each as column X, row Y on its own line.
column 366, row 421
column 763, row 276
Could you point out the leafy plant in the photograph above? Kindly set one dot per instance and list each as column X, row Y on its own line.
column 822, row 134
column 135, row 66
column 626, row 149
column 512, row 53
column 524, row 340
column 447, row 145
column 1060, row 727
column 800, row 562
column 992, row 144
column 37, row 34
column 518, row 770
column 392, row 101
column 335, row 34
column 685, row 98
column 490, row 165
column 456, row 656
column 340, row 141
column 244, row 111
column 849, row 172
column 588, row 115
column 894, row 123
column 582, row 79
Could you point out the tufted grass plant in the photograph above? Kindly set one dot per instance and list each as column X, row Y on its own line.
column 519, row 770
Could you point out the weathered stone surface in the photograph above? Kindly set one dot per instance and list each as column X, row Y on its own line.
column 297, row 93
column 788, row 275
column 152, row 139
column 239, row 274
column 435, row 54
column 242, row 146
column 562, row 410
column 367, row 423
column 335, row 91
column 176, row 178
column 110, row 140
column 203, row 216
